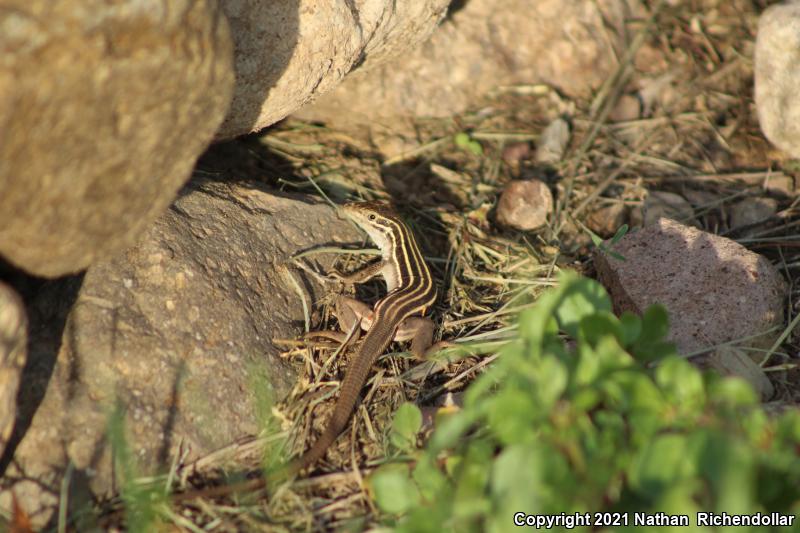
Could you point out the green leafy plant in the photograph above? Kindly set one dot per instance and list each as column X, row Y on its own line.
column 607, row 420
column 464, row 141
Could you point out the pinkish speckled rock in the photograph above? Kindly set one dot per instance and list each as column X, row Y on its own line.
column 714, row 289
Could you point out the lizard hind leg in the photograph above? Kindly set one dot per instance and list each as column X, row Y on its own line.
column 351, row 314
column 419, row 330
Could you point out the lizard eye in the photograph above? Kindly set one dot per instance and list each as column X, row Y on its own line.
column 372, row 216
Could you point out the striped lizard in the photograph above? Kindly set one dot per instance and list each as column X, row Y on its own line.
column 397, row 316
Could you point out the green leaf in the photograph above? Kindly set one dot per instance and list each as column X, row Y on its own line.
column 594, row 327
column 431, row 481
column 643, row 395
column 631, row 328
column 483, row 386
column 451, row 429
column 516, row 477
column 585, row 398
column 679, row 500
column 393, row 488
column 534, row 324
column 471, row 481
column 475, row 148
column 728, row 465
column 608, row 251
column 462, row 140
column 667, row 460
column 623, row 229
column 587, row 365
column 420, row 520
column 732, row 393
column 611, row 355
column 407, row 423
column 656, row 351
column 552, row 382
column 511, row 415
column 596, row 239
column 681, row 384
column 141, row 501
column 655, row 324
column 581, row 297
column 263, row 395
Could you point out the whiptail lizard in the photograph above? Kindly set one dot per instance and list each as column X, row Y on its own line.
column 396, row 316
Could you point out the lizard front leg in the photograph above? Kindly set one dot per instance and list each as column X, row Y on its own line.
column 360, row 276
column 419, row 330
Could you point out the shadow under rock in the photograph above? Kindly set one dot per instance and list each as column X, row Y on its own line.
column 245, row 158
column 47, row 304
column 413, row 182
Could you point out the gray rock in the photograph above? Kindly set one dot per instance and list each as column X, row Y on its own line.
column 13, row 353
column 730, row 361
column 777, row 77
column 715, row 289
column 552, row 143
column 179, row 330
column 752, row 211
column 664, row 204
column 104, row 108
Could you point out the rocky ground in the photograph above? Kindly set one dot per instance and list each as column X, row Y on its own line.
column 672, row 131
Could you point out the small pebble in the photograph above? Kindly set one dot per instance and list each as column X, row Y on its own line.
column 667, row 205
column 553, row 142
column 550, row 251
column 393, row 145
column 656, row 92
column 514, row 153
column 524, row 205
column 752, row 211
column 607, row 220
column 781, row 185
column 730, row 361
column 628, row 107
column 703, row 199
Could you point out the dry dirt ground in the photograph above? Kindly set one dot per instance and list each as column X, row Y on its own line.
column 678, row 116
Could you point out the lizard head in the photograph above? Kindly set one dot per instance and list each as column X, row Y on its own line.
column 379, row 220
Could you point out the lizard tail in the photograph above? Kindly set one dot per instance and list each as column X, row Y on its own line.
column 374, row 344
